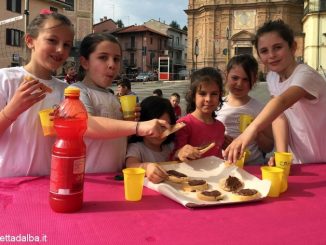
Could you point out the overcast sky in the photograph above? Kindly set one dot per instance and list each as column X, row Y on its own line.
column 139, row 11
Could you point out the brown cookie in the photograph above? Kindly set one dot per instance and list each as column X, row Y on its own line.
column 231, row 184
column 177, row 177
column 245, row 195
column 213, row 195
column 195, row 185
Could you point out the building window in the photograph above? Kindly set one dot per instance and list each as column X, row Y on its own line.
column 14, row 37
column 151, row 40
column 177, row 41
column 322, row 5
column 14, row 5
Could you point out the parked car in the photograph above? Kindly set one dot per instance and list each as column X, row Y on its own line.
column 146, row 76
column 142, row 77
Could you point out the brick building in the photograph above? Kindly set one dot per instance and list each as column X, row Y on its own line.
column 217, row 30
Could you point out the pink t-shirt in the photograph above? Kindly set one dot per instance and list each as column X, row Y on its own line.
column 198, row 133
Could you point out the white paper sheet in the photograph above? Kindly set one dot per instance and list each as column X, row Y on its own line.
column 211, row 169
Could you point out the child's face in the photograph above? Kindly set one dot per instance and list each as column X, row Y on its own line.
column 157, row 141
column 174, row 101
column 237, row 82
column 122, row 90
column 51, row 48
column 275, row 52
column 207, row 98
column 103, row 64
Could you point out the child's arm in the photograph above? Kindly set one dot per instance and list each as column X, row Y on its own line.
column 154, row 172
column 281, row 136
column 26, row 95
column 270, row 112
column 101, row 127
column 281, row 133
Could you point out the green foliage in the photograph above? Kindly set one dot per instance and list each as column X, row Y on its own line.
column 120, row 23
column 175, row 24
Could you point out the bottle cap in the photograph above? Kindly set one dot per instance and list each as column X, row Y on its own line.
column 72, row 91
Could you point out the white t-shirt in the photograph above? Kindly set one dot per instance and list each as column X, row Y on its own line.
column 230, row 117
column 144, row 154
column 307, row 118
column 23, row 148
column 102, row 155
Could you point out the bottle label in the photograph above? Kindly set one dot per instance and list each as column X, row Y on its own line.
column 67, row 175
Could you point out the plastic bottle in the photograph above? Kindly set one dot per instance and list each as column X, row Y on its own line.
column 68, row 154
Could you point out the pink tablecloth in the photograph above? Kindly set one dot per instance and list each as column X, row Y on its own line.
column 297, row 217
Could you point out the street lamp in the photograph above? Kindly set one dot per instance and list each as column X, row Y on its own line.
column 196, row 52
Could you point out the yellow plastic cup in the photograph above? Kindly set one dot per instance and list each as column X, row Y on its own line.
column 283, row 160
column 128, row 105
column 47, row 124
column 133, row 183
column 245, row 120
column 275, row 176
column 240, row 162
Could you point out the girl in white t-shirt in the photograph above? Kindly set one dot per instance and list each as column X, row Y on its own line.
column 241, row 75
column 100, row 61
column 24, row 151
column 145, row 152
column 297, row 108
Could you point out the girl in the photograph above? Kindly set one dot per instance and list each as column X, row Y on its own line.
column 241, row 74
column 203, row 98
column 297, row 90
column 23, row 148
column 144, row 151
column 100, row 60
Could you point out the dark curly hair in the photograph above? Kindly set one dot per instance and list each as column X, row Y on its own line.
column 154, row 107
column 203, row 75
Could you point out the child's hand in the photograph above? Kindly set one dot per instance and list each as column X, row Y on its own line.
column 27, row 94
column 233, row 152
column 188, row 153
column 152, row 128
column 271, row 161
column 155, row 173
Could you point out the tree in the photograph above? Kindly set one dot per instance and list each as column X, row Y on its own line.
column 175, row 24
column 120, row 23
column 185, row 28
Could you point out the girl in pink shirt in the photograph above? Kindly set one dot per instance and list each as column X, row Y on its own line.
column 203, row 99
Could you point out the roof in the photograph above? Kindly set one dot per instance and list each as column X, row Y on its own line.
column 107, row 20
column 140, row 28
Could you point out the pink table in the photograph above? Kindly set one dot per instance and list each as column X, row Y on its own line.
column 297, row 217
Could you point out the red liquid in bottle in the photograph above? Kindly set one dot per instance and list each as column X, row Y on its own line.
column 68, row 154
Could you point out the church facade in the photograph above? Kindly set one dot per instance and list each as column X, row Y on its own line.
column 220, row 29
